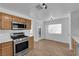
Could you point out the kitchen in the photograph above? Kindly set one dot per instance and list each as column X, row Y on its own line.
column 17, row 34
column 34, row 29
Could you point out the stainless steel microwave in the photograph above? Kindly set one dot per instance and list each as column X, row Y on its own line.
column 18, row 25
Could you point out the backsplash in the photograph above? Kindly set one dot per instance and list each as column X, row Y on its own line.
column 13, row 31
column 5, row 34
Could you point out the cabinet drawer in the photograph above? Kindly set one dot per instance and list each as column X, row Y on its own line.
column 7, row 44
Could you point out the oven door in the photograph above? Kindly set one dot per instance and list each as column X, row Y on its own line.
column 21, row 48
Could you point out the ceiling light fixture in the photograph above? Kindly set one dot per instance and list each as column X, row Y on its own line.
column 42, row 6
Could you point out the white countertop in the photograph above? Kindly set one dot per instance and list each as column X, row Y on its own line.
column 7, row 39
column 30, row 35
column 5, row 34
column 4, row 38
column 76, row 39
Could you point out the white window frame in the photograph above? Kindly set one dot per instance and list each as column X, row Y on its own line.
column 55, row 28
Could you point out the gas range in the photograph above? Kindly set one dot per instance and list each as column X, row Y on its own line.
column 20, row 43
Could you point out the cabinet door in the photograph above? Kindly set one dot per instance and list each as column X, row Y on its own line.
column 0, row 20
column 15, row 19
column 20, row 20
column 0, row 49
column 0, row 52
column 0, row 24
column 74, row 44
column 28, row 23
column 23, row 20
column 7, row 49
column 31, row 42
column 6, row 21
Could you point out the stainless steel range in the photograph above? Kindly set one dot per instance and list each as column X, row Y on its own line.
column 20, row 44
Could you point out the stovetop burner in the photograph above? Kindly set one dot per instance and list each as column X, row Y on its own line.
column 18, row 35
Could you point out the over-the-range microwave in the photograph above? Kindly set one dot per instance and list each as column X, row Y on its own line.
column 18, row 25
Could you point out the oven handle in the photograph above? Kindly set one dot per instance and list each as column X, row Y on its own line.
column 20, row 41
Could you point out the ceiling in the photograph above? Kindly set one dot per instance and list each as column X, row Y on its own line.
column 29, row 9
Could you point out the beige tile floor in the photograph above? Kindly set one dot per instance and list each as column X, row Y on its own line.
column 49, row 48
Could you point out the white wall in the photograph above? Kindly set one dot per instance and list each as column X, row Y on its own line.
column 36, row 24
column 13, row 13
column 64, row 37
column 75, row 23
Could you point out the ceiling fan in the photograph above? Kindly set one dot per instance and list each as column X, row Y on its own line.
column 42, row 6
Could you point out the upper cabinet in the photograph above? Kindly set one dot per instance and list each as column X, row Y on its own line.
column 6, row 21
column 15, row 19
column 28, row 22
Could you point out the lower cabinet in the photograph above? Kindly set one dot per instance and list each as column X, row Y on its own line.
column 31, row 42
column 0, row 52
column 74, row 45
column 0, row 49
column 7, row 49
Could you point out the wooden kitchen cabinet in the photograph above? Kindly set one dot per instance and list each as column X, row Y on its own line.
column 28, row 23
column 31, row 42
column 22, row 20
column 18, row 19
column 0, row 20
column 7, row 49
column 5, row 21
column 74, row 45
column 15, row 19
column 0, row 49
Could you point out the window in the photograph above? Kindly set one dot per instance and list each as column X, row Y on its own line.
column 55, row 28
